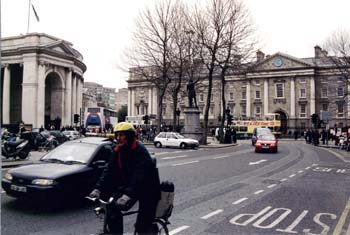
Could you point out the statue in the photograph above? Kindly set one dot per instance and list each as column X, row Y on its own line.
column 191, row 94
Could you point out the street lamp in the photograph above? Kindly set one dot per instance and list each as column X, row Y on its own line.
column 178, row 118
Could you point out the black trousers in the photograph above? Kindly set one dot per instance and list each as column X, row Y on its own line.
column 145, row 217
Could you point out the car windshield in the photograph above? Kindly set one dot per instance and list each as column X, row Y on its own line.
column 267, row 137
column 71, row 153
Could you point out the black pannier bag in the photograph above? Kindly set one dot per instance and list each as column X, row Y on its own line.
column 166, row 202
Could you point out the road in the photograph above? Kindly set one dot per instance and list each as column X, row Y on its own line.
column 300, row 190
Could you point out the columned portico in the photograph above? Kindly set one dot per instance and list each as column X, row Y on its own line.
column 266, row 96
column 248, row 104
column 292, row 98
column 312, row 95
column 37, row 80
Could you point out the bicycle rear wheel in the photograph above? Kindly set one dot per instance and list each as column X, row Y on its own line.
column 162, row 227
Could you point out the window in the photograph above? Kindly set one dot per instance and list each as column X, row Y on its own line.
column 243, row 109
column 302, row 125
column 340, row 91
column 212, row 97
column 340, row 109
column 257, row 111
column 257, row 94
column 211, row 110
column 231, row 96
column 244, row 93
column 201, row 98
column 324, row 107
column 324, row 92
column 279, row 90
column 257, row 82
column 302, row 110
column 302, row 93
column 302, row 80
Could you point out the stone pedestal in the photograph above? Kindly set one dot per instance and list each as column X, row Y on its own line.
column 192, row 125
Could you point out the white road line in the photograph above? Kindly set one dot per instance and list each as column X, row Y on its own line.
column 314, row 165
column 307, row 168
column 259, row 191
column 184, row 163
column 212, row 214
column 239, row 201
column 272, row 185
column 284, row 179
column 292, row 175
column 222, row 157
column 181, row 156
column 300, row 172
column 177, row 230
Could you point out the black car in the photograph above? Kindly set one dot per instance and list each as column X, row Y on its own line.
column 59, row 136
column 72, row 168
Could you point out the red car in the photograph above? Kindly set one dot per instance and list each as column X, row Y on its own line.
column 267, row 143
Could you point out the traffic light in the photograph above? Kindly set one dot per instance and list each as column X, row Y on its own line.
column 146, row 119
column 314, row 118
column 76, row 118
column 229, row 119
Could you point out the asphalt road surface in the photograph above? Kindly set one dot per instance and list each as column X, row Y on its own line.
column 300, row 190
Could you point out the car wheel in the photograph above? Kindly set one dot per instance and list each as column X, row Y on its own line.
column 183, row 145
column 256, row 151
column 158, row 144
column 23, row 154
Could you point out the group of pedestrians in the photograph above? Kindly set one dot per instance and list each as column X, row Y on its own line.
column 313, row 136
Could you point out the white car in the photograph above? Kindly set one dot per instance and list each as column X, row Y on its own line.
column 174, row 139
column 71, row 135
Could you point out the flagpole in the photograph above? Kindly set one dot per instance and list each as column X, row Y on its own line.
column 28, row 16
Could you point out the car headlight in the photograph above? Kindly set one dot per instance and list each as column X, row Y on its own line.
column 43, row 182
column 8, row 176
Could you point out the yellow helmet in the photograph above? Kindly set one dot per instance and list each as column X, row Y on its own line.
column 124, row 127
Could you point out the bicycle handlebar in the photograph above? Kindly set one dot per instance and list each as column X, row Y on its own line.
column 94, row 199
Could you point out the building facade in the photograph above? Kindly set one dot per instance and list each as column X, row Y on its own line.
column 42, row 80
column 293, row 87
column 121, row 98
column 104, row 96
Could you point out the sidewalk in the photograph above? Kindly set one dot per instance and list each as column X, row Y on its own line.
column 34, row 156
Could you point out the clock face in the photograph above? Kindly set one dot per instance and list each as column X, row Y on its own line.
column 277, row 62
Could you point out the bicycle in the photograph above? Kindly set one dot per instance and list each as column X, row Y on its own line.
column 102, row 211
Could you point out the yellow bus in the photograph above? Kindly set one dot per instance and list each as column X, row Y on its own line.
column 244, row 128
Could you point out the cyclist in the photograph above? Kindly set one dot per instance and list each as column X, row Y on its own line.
column 130, row 176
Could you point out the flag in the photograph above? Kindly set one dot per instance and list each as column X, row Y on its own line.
column 36, row 14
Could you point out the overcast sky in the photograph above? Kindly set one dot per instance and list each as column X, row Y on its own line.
column 100, row 30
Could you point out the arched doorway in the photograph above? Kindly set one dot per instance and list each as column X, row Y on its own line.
column 53, row 101
column 284, row 121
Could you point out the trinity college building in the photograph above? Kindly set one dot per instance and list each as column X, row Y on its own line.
column 293, row 87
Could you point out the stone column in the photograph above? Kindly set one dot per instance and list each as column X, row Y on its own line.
column 129, row 101
column 149, row 111
column 68, row 98
column 6, row 95
column 74, row 95
column 78, row 105
column 312, row 96
column 248, row 101
column 155, row 102
column 292, row 97
column 41, row 95
column 266, row 96
column 132, row 102
column 29, row 89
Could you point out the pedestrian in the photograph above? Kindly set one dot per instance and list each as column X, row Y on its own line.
column 130, row 176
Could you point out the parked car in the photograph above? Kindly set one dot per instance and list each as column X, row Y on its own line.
column 71, row 135
column 266, row 142
column 260, row 131
column 174, row 139
column 72, row 168
column 60, row 137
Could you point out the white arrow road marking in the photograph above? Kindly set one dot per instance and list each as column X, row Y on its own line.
column 259, row 191
column 272, row 185
column 212, row 214
column 284, row 179
column 177, row 230
column 184, row 163
column 258, row 162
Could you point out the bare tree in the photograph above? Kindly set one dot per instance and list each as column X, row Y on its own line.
column 337, row 51
column 149, row 58
column 238, row 46
column 221, row 27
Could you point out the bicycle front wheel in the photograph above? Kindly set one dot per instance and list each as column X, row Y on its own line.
column 162, row 227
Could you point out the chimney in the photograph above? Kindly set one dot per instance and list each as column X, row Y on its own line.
column 318, row 52
column 259, row 56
